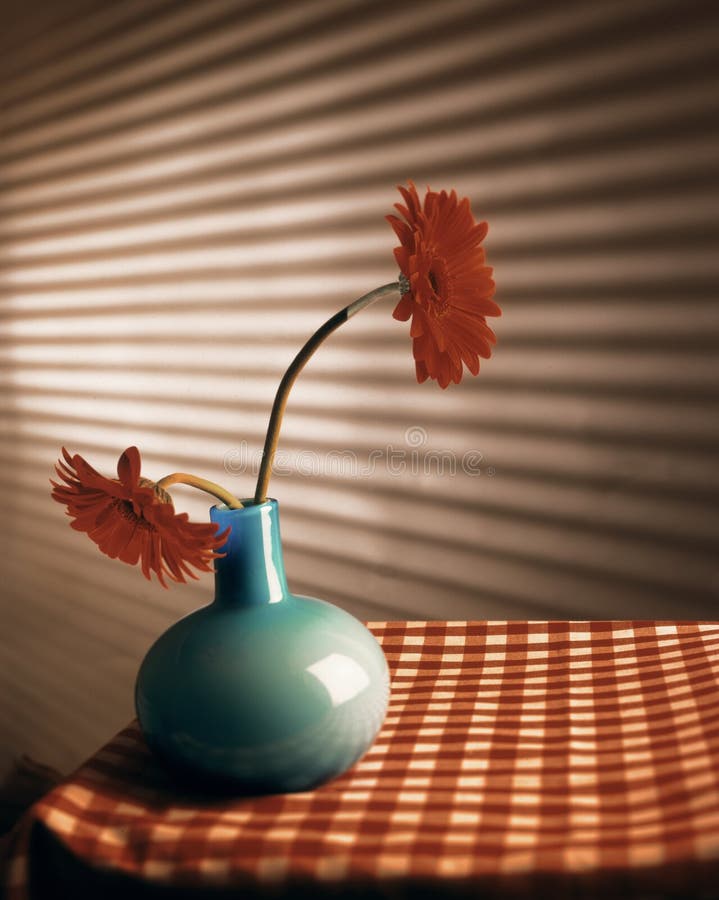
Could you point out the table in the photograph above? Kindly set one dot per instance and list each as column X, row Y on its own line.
column 554, row 759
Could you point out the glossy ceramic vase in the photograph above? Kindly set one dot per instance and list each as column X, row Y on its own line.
column 262, row 691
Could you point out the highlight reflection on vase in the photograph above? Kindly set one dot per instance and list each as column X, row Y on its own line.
column 262, row 690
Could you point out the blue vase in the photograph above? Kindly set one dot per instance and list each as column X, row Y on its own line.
column 262, row 691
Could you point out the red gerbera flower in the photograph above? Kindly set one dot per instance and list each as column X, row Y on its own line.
column 448, row 286
column 130, row 518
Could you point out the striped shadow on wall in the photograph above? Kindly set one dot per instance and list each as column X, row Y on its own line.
column 188, row 189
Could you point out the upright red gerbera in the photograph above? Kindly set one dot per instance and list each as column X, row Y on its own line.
column 449, row 288
column 131, row 519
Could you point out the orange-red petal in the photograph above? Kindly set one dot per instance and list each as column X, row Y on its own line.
column 128, row 467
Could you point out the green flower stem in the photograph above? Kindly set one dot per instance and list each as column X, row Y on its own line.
column 201, row 484
column 290, row 376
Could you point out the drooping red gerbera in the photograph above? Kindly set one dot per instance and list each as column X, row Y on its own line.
column 449, row 288
column 132, row 519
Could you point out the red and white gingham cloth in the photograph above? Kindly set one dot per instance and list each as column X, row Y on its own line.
column 558, row 758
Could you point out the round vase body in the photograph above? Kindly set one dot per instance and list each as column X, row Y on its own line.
column 262, row 691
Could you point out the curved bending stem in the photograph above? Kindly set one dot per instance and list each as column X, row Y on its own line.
column 201, row 484
column 290, row 376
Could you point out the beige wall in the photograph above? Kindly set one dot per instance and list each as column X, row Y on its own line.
column 188, row 190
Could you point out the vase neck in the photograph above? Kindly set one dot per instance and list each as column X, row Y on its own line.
column 252, row 572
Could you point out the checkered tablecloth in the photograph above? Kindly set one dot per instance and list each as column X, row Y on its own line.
column 540, row 759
